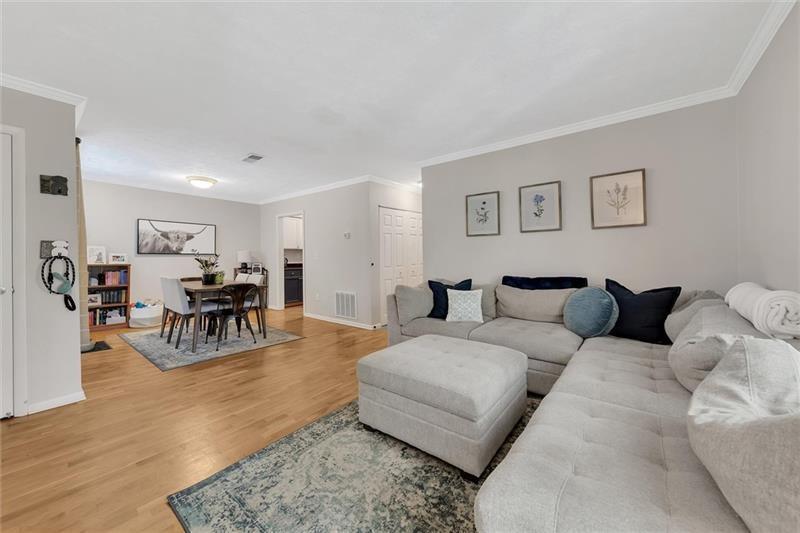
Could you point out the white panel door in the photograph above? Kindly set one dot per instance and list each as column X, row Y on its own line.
column 401, row 251
column 6, row 308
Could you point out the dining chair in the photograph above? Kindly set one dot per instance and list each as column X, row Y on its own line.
column 258, row 280
column 182, row 310
column 241, row 297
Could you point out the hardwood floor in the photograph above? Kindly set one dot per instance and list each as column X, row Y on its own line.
column 109, row 462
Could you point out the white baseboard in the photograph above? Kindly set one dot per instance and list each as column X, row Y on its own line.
column 56, row 402
column 343, row 321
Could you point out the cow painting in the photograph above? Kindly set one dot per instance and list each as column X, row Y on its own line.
column 175, row 238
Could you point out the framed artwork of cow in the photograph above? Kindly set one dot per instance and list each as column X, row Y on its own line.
column 162, row 237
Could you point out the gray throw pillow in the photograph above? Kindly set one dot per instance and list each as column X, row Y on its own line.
column 540, row 305
column 677, row 320
column 413, row 302
column 688, row 297
column 744, row 426
column 699, row 347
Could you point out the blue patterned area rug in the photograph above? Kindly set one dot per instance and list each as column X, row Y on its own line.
column 166, row 357
column 335, row 475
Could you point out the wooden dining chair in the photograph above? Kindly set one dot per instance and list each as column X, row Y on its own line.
column 182, row 310
column 241, row 297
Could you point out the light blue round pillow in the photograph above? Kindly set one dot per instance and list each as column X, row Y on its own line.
column 590, row 312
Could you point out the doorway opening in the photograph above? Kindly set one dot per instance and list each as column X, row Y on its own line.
column 291, row 249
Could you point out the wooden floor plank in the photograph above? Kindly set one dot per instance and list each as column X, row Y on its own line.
column 109, row 462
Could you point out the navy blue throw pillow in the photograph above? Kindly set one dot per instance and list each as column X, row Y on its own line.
column 560, row 282
column 440, row 302
column 642, row 316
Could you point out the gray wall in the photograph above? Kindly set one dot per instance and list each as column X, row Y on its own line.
column 768, row 121
column 690, row 238
column 53, row 332
column 111, row 213
column 330, row 261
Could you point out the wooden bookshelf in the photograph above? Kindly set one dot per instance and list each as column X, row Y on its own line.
column 113, row 284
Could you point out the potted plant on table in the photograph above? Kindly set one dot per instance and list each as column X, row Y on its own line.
column 209, row 267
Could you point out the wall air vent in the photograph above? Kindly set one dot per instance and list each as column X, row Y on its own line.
column 253, row 158
column 346, row 305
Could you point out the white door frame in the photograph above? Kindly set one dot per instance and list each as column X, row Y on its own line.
column 279, row 294
column 19, row 360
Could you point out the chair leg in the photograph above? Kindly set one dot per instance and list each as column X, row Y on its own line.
column 171, row 328
column 220, row 327
column 226, row 328
column 208, row 328
column 239, row 326
column 163, row 320
column 250, row 327
column 187, row 325
column 258, row 320
column 181, row 321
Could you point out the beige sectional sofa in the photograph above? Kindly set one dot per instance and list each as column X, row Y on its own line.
column 608, row 449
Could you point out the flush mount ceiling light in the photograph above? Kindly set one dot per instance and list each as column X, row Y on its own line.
column 201, row 182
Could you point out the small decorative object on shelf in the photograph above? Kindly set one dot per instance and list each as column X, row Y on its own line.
column 208, row 265
column 109, row 295
column 117, row 258
column 258, row 268
column 96, row 255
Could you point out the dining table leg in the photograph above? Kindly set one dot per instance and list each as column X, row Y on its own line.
column 198, row 316
column 262, row 305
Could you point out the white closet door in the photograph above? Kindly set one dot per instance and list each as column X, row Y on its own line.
column 6, row 304
column 401, row 251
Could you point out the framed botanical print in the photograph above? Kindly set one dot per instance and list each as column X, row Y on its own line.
column 483, row 214
column 540, row 207
column 618, row 199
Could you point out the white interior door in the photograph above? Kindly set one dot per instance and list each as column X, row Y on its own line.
column 6, row 303
column 401, row 251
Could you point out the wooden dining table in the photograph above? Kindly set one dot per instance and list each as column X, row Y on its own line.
column 198, row 291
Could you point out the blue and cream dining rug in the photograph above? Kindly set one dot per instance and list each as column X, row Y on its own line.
column 166, row 357
column 335, row 475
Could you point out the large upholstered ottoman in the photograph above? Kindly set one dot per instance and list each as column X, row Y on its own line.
column 452, row 398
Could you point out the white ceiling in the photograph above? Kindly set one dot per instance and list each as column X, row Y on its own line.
column 328, row 92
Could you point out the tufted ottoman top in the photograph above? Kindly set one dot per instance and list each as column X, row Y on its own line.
column 461, row 377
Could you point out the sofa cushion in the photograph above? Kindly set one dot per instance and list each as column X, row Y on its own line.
column 488, row 300
column 536, row 305
column 642, row 315
column 702, row 344
column 540, row 340
column 590, row 312
column 459, row 377
column 545, row 283
column 629, row 347
column 744, row 425
column 464, row 306
column 440, row 295
column 413, row 302
column 437, row 326
column 607, row 450
column 688, row 297
column 677, row 320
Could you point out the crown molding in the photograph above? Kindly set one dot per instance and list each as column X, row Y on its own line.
column 339, row 184
column 770, row 24
column 577, row 127
column 45, row 91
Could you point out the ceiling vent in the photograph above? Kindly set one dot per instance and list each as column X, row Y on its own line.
column 253, row 158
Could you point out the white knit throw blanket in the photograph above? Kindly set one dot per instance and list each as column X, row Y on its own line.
column 774, row 313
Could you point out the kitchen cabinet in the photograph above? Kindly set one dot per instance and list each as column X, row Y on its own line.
column 293, row 233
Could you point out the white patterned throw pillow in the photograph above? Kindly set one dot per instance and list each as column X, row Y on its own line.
column 464, row 306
